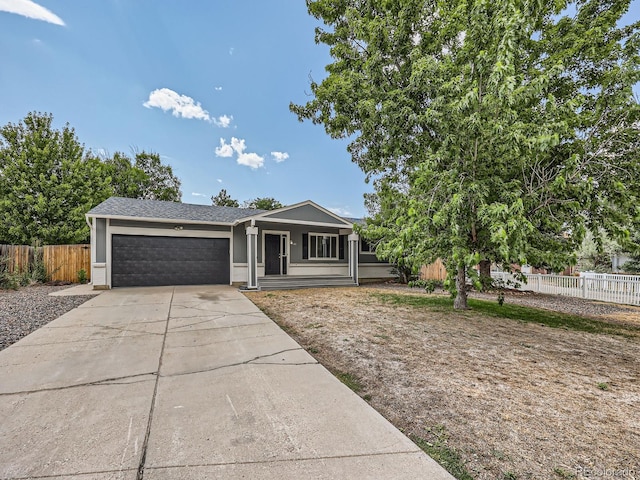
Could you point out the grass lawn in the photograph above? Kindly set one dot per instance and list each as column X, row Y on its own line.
column 514, row 312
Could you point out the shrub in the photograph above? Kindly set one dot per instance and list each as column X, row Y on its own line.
column 82, row 276
column 403, row 273
column 428, row 285
column 39, row 269
column 417, row 284
column 432, row 285
column 8, row 280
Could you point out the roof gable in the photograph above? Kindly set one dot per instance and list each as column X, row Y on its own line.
column 305, row 212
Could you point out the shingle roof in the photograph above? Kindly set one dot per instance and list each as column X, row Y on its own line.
column 134, row 208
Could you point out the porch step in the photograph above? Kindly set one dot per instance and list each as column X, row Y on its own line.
column 289, row 282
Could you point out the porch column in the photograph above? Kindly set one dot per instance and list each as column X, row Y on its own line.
column 353, row 256
column 252, row 258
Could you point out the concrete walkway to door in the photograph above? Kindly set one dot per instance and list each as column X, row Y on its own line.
column 185, row 383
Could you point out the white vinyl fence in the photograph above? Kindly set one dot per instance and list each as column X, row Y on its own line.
column 594, row 286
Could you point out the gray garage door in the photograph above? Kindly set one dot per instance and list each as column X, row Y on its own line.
column 145, row 261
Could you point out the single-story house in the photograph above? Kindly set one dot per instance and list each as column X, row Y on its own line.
column 150, row 242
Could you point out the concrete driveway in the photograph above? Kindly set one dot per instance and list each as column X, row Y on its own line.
column 185, row 383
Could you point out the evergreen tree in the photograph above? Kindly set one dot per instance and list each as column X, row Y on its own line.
column 223, row 199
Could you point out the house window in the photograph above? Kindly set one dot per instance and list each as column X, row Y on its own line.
column 366, row 247
column 322, row 245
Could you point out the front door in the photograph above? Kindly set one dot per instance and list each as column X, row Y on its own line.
column 275, row 252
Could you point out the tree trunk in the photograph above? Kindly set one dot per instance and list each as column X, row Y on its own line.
column 485, row 274
column 460, row 302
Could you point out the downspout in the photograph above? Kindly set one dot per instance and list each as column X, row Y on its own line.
column 92, row 239
column 92, row 246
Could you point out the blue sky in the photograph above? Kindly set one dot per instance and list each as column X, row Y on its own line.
column 205, row 83
column 183, row 79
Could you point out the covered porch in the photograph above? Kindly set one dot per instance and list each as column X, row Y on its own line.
column 301, row 247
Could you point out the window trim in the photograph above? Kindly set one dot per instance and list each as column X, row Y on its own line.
column 312, row 255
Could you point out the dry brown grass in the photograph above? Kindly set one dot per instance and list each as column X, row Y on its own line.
column 515, row 400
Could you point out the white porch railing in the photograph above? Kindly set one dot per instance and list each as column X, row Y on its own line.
column 623, row 289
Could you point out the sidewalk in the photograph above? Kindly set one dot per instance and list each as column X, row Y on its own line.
column 185, row 383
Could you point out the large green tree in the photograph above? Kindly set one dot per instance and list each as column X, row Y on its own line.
column 47, row 183
column 596, row 253
column 126, row 180
column 144, row 177
column 493, row 130
column 160, row 182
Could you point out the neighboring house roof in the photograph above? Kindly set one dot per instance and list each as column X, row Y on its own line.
column 162, row 210
column 356, row 221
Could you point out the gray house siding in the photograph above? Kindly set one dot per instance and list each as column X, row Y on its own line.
column 296, row 248
column 369, row 258
column 239, row 244
column 305, row 213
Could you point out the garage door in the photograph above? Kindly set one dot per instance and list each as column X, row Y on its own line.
column 145, row 261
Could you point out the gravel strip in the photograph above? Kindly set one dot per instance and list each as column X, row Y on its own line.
column 29, row 308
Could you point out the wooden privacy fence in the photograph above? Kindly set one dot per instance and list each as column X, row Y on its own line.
column 62, row 262
column 433, row 271
column 18, row 257
column 623, row 289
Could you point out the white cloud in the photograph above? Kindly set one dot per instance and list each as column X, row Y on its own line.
column 231, row 51
column 218, row 89
column 196, row 194
column 279, row 156
column 223, row 121
column 252, row 160
column 30, row 9
column 181, row 106
column 238, row 146
column 219, row 180
column 342, row 212
column 224, row 150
